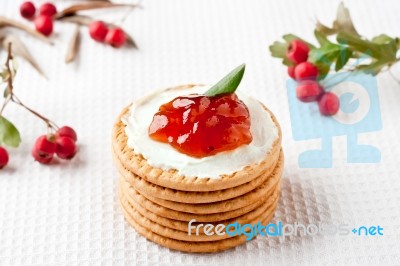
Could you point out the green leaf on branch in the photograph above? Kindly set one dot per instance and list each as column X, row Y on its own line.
column 382, row 49
column 379, row 51
column 324, row 57
column 382, row 39
column 9, row 134
column 330, row 54
column 373, row 68
column 321, row 38
column 291, row 37
column 344, row 55
column 278, row 49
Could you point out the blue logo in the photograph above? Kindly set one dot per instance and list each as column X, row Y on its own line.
column 359, row 113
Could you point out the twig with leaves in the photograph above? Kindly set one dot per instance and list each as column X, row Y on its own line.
column 9, row 134
column 59, row 141
column 373, row 55
column 310, row 65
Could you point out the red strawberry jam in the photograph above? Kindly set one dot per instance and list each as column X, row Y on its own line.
column 201, row 126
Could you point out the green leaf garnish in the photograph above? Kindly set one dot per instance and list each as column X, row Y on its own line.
column 229, row 83
column 9, row 134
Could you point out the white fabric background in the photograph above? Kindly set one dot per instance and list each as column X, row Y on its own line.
column 68, row 213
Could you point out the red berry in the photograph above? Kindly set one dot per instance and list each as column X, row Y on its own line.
column 44, row 25
column 116, row 37
column 290, row 71
column 41, row 158
column 47, row 9
column 27, row 10
column 297, row 51
column 329, row 104
column 305, row 70
column 3, row 157
column 98, row 31
column 308, row 91
column 44, row 149
column 66, row 148
column 67, row 131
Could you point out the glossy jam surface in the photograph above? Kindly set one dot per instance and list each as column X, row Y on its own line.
column 201, row 126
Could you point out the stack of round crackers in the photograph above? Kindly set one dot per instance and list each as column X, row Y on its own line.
column 159, row 204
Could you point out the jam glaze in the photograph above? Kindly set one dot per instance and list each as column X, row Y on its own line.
column 201, row 126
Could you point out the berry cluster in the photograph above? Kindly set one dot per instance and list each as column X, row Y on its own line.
column 63, row 144
column 305, row 73
column 44, row 21
column 98, row 30
column 60, row 140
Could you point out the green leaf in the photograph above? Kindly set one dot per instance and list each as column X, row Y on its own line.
column 373, row 68
column 229, row 83
column 382, row 39
column 324, row 57
column 343, row 57
column 9, row 134
column 287, row 62
column 383, row 52
column 290, row 37
column 326, row 54
column 278, row 49
column 321, row 38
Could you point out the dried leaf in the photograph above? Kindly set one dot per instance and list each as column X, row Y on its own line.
column 6, row 92
column 343, row 23
column 6, row 22
column 78, row 19
column 86, row 20
column 20, row 49
column 131, row 41
column 343, row 20
column 324, row 29
column 73, row 47
column 90, row 6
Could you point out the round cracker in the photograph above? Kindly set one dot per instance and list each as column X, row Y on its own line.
column 165, row 231
column 178, row 227
column 150, row 189
column 222, row 206
column 134, row 197
column 186, row 246
column 138, row 165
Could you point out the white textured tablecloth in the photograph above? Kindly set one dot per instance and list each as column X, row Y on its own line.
column 68, row 213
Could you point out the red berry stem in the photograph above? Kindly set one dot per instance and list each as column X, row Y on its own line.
column 50, row 124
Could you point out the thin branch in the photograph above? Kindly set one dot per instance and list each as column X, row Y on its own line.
column 13, row 98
